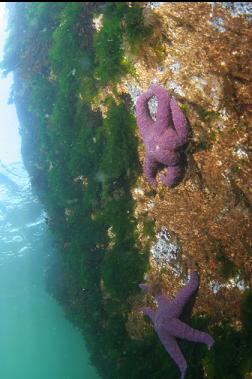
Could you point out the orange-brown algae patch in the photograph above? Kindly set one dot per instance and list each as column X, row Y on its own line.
column 210, row 212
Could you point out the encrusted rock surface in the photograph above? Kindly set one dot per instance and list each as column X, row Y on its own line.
column 204, row 60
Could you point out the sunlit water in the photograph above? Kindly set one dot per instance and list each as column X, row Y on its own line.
column 36, row 341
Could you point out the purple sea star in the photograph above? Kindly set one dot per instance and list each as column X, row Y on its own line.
column 163, row 138
column 169, row 327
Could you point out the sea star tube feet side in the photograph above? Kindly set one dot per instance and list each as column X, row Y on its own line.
column 168, row 326
column 164, row 138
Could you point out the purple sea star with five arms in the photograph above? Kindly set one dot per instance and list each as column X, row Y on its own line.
column 169, row 327
column 163, row 138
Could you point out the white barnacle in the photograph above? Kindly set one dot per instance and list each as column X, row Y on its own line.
column 241, row 153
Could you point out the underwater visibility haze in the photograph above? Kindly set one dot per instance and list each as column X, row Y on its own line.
column 36, row 341
column 133, row 168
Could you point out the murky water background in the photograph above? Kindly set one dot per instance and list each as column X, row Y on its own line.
column 36, row 341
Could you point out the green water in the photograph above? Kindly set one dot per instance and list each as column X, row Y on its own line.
column 36, row 341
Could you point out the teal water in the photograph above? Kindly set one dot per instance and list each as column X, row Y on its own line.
column 36, row 341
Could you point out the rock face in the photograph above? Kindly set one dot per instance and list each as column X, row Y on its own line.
column 163, row 144
column 204, row 59
column 80, row 141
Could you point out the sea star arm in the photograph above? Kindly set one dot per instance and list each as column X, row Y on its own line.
column 161, row 299
column 150, row 168
column 142, row 112
column 185, row 293
column 180, row 123
column 179, row 329
column 163, row 111
column 174, row 351
column 172, row 176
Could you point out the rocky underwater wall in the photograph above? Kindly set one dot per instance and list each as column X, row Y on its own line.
column 78, row 69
